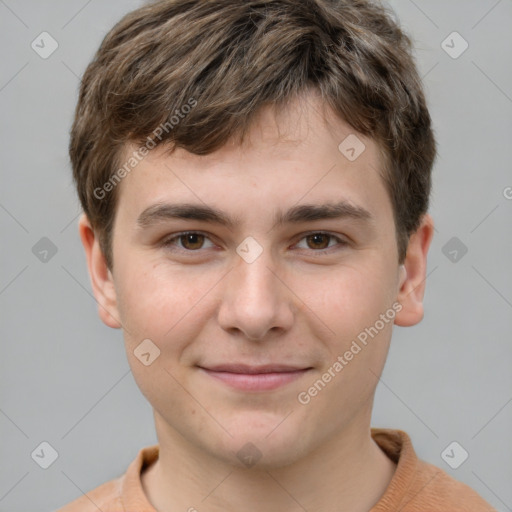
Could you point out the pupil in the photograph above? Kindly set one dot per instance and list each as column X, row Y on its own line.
column 319, row 236
column 192, row 238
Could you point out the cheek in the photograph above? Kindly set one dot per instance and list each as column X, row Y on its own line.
column 345, row 300
column 156, row 298
column 364, row 326
column 167, row 306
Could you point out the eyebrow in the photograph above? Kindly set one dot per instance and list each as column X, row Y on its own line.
column 297, row 214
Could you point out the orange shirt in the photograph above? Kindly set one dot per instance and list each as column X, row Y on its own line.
column 416, row 485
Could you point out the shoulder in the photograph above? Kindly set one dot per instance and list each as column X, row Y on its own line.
column 418, row 486
column 106, row 497
column 434, row 488
column 121, row 493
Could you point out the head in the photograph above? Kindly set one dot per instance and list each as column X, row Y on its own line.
column 250, row 116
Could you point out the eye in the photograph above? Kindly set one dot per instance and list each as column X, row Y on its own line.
column 319, row 241
column 191, row 241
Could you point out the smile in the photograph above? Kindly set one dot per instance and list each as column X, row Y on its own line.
column 246, row 378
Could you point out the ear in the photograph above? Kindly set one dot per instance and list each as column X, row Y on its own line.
column 413, row 275
column 101, row 278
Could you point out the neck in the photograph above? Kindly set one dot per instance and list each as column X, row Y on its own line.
column 350, row 471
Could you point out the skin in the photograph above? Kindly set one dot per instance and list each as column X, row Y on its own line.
column 289, row 306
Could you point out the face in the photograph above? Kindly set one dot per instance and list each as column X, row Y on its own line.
column 270, row 321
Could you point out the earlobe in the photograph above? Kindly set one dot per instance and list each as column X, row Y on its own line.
column 413, row 275
column 101, row 278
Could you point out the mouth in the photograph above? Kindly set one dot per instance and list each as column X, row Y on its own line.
column 255, row 378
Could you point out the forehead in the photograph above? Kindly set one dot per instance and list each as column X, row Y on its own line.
column 299, row 154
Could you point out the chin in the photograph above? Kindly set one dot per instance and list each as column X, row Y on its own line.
column 262, row 443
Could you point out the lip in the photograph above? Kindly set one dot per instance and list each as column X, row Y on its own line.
column 255, row 378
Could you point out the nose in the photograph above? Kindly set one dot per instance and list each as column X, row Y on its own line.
column 255, row 300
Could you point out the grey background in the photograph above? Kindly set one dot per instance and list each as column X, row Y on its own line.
column 64, row 375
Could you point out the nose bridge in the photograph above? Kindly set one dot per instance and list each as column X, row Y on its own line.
column 254, row 300
column 255, row 280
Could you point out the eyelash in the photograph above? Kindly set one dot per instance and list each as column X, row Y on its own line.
column 169, row 242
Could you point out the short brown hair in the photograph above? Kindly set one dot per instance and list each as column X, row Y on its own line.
column 229, row 58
